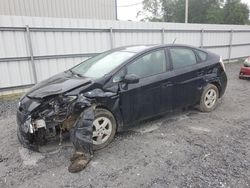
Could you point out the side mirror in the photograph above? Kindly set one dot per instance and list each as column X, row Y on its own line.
column 131, row 79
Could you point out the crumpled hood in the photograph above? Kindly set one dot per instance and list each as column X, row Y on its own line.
column 57, row 84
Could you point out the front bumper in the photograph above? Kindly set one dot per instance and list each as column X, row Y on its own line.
column 23, row 132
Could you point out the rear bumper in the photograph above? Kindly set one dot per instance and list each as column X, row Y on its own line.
column 244, row 72
column 244, row 76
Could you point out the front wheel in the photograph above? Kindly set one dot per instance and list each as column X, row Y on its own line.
column 104, row 128
column 209, row 98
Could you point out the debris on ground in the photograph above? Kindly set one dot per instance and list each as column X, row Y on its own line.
column 3, row 159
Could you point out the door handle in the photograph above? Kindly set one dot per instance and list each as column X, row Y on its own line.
column 167, row 84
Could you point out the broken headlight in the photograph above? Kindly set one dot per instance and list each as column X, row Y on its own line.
column 71, row 98
column 61, row 100
column 27, row 126
column 59, row 105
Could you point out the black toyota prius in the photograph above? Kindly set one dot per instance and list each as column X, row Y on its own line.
column 126, row 85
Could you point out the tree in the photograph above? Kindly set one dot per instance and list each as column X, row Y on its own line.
column 151, row 10
column 173, row 10
column 215, row 14
column 200, row 11
column 236, row 12
column 161, row 10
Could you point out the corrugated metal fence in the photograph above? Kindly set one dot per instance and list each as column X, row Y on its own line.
column 33, row 49
column 94, row 9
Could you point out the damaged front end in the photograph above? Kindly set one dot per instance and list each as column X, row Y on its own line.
column 46, row 119
column 40, row 120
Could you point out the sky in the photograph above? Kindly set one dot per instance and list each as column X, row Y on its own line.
column 127, row 9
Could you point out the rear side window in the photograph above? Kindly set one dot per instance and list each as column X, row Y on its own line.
column 148, row 65
column 202, row 55
column 182, row 57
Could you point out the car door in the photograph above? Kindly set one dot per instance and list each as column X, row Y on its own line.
column 186, row 79
column 144, row 99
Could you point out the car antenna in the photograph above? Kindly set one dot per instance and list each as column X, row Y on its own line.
column 174, row 40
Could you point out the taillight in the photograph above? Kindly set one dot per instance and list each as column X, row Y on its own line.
column 222, row 64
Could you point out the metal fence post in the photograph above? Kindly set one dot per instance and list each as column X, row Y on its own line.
column 230, row 45
column 31, row 54
column 202, row 38
column 111, row 38
column 162, row 35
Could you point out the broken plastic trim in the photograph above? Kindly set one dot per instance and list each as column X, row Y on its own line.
column 25, row 140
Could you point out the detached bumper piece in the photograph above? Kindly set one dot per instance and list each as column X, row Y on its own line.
column 82, row 133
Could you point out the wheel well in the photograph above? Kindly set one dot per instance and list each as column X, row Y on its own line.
column 218, row 86
column 105, row 108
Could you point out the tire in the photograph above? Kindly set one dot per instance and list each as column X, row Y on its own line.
column 209, row 104
column 102, row 116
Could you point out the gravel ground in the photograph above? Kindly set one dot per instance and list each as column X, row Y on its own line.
column 182, row 149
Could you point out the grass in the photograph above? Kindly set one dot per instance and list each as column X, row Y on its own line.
column 10, row 97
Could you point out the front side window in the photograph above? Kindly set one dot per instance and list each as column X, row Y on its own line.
column 102, row 64
column 182, row 57
column 148, row 65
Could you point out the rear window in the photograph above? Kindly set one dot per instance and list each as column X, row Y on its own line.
column 182, row 57
column 202, row 55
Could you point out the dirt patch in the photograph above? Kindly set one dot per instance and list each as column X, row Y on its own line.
column 182, row 149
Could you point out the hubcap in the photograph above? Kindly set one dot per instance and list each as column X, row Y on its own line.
column 102, row 129
column 210, row 98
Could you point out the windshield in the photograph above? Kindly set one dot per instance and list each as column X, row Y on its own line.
column 102, row 64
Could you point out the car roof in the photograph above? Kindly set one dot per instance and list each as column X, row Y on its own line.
column 141, row 48
column 133, row 48
column 138, row 50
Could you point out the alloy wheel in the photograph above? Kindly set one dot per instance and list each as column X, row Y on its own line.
column 102, row 129
column 210, row 98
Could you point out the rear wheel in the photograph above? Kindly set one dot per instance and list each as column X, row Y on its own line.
column 209, row 98
column 104, row 128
